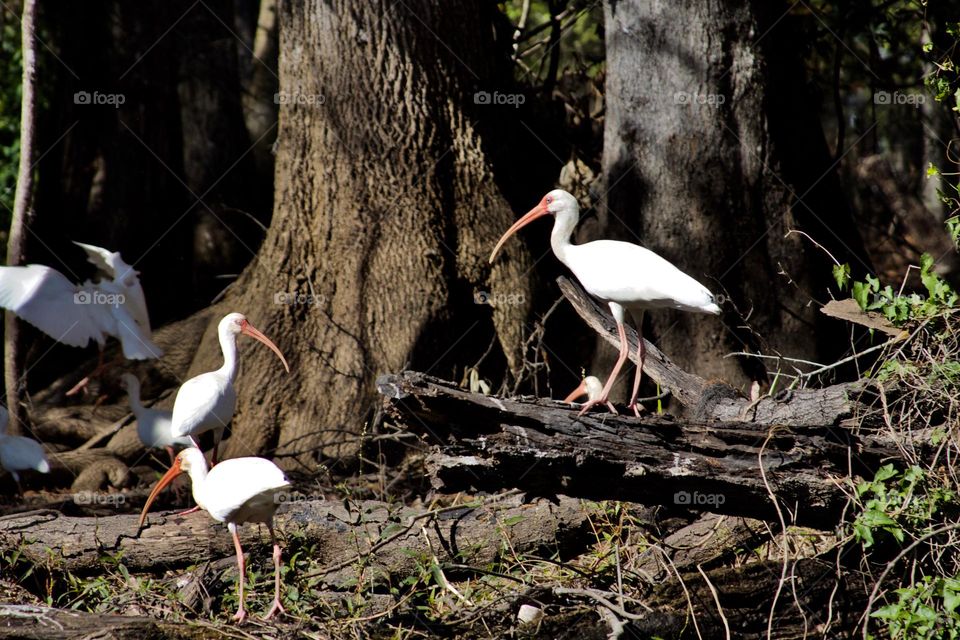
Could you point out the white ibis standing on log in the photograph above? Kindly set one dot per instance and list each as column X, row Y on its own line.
column 19, row 453
column 626, row 276
column 154, row 426
column 207, row 401
column 590, row 387
column 235, row 491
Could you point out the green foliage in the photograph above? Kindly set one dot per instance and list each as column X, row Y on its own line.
column 925, row 610
column 898, row 504
column 899, row 308
column 10, row 79
column 581, row 39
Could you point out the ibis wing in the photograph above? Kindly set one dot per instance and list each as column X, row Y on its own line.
column 201, row 404
column 101, row 258
column 18, row 453
column 154, row 426
column 246, row 489
column 46, row 299
column 636, row 277
column 111, row 264
column 136, row 342
column 136, row 303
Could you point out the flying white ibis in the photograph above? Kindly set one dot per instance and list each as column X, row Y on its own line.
column 74, row 314
column 235, row 491
column 124, row 277
column 207, row 402
column 153, row 425
column 624, row 275
column 590, row 387
column 19, row 453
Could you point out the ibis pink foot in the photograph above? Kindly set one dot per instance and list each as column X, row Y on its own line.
column 624, row 352
column 192, row 509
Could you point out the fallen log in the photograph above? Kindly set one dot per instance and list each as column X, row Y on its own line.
column 542, row 447
column 387, row 539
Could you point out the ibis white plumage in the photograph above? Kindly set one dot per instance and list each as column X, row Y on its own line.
column 74, row 314
column 235, row 491
column 590, row 387
column 207, row 401
column 154, row 426
column 124, row 277
column 626, row 276
column 19, row 453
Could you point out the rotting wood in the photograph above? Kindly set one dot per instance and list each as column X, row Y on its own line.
column 542, row 447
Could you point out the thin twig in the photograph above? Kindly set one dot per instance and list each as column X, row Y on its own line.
column 716, row 598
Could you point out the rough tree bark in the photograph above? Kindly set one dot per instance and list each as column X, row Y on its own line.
column 711, row 153
column 385, row 210
column 22, row 205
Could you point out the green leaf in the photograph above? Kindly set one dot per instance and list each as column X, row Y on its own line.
column 841, row 273
column 951, row 600
column 861, row 294
column 887, row 613
column 884, row 473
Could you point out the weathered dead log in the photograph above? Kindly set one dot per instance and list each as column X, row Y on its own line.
column 813, row 602
column 542, row 447
column 341, row 531
column 29, row 622
column 715, row 400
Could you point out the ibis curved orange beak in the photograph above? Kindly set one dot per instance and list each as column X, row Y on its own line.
column 167, row 478
column 537, row 212
column 253, row 332
column 576, row 393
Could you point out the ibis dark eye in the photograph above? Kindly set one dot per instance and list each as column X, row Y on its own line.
column 549, row 199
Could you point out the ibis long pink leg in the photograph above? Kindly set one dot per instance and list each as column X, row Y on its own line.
column 277, row 606
column 641, row 356
column 217, row 437
column 82, row 385
column 624, row 352
column 241, row 613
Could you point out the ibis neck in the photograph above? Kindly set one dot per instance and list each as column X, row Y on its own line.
column 563, row 228
column 228, row 345
column 198, row 478
column 133, row 397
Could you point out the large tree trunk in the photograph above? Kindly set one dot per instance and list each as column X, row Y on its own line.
column 385, row 212
column 712, row 152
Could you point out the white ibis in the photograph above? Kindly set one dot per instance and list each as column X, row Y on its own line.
column 590, row 387
column 624, row 275
column 123, row 275
column 74, row 314
column 18, row 453
column 235, row 491
column 153, row 425
column 207, row 401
